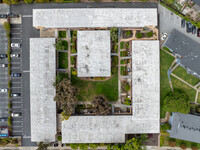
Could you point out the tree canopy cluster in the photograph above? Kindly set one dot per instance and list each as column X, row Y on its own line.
column 176, row 101
column 101, row 106
column 66, row 96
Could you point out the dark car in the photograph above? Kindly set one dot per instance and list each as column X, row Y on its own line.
column 3, row 16
column 183, row 23
column 15, row 94
column 189, row 27
column 194, row 29
column 3, row 56
column 198, row 32
column 15, row 74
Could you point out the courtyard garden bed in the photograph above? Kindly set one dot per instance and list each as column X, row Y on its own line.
column 62, row 34
column 127, row 34
column 63, row 60
column 123, row 70
column 89, row 89
column 140, row 34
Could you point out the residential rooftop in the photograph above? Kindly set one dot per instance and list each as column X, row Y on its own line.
column 185, row 127
column 93, row 53
column 146, row 80
column 95, row 17
column 188, row 49
column 145, row 103
column 42, row 92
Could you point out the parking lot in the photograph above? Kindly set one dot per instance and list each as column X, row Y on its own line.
column 3, row 77
column 169, row 21
column 16, row 82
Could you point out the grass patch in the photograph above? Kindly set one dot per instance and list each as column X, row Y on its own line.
column 63, row 60
column 123, row 61
column 89, row 89
column 65, row 44
column 167, row 49
column 123, row 70
column 165, row 63
column 121, row 45
column 182, row 73
column 62, row 34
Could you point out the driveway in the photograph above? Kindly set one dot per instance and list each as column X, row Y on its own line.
column 168, row 21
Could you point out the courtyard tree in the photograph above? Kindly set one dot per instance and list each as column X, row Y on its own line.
column 59, row 45
column 176, row 101
column 114, row 34
column 136, row 143
column 66, row 96
column 101, row 106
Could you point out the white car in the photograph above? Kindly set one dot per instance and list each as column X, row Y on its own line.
column 14, row 55
column 3, row 90
column 3, row 65
column 164, row 36
column 16, row 45
column 15, row 114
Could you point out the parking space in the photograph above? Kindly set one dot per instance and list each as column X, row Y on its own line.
column 3, row 77
column 16, row 82
column 169, row 21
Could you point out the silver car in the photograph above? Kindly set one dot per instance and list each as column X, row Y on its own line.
column 3, row 65
column 16, row 114
column 3, row 90
column 16, row 45
column 14, row 55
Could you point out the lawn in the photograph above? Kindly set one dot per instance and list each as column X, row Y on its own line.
column 63, row 60
column 182, row 73
column 89, row 89
column 165, row 63
column 62, row 34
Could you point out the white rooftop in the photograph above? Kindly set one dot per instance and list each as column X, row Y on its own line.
column 42, row 92
column 146, row 104
column 94, row 17
column 146, row 80
column 104, row 129
column 93, row 53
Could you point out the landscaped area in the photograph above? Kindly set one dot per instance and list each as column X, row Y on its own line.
column 166, row 61
column 62, row 34
column 63, row 60
column 89, row 89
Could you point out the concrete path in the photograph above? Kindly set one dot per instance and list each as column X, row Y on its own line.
column 114, row 54
column 74, row 54
column 63, row 51
column 127, row 57
column 61, row 70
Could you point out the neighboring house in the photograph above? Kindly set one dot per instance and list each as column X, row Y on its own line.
column 185, row 127
column 187, row 50
column 181, row 2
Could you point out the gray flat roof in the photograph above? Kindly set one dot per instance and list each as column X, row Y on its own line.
column 185, row 47
column 104, row 129
column 146, row 104
column 93, row 53
column 146, row 80
column 185, row 127
column 42, row 92
column 94, row 17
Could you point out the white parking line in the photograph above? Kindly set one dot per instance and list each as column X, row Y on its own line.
column 17, row 126
column 16, row 87
column 16, row 131
column 16, row 28
column 16, row 38
column 16, row 121
column 16, row 63
column 15, row 33
column 26, row 71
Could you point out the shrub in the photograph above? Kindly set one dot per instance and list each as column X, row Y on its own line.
column 194, row 147
column 62, row 34
column 138, row 35
column 8, row 2
column 165, row 127
column 9, row 93
column 59, row 138
column 6, row 26
column 93, row 146
column 74, row 72
column 150, row 34
column 114, row 34
column 9, row 121
column 127, row 87
column 183, row 146
column 83, row 146
column 121, row 45
column 176, row 101
column 14, row 1
column 128, row 33
column 74, row 146
column 9, row 105
column 9, row 84
column 127, row 101
column 28, row 1
column 172, row 143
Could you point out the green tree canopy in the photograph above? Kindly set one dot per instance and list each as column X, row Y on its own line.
column 176, row 101
column 114, row 34
column 42, row 146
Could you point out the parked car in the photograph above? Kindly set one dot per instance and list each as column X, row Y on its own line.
column 3, row 16
column 14, row 55
column 16, row 45
column 4, row 90
column 194, row 29
column 164, row 36
column 189, row 27
column 16, row 114
column 15, row 94
column 198, row 32
column 3, row 65
column 3, row 119
column 3, row 56
column 183, row 23
column 15, row 74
